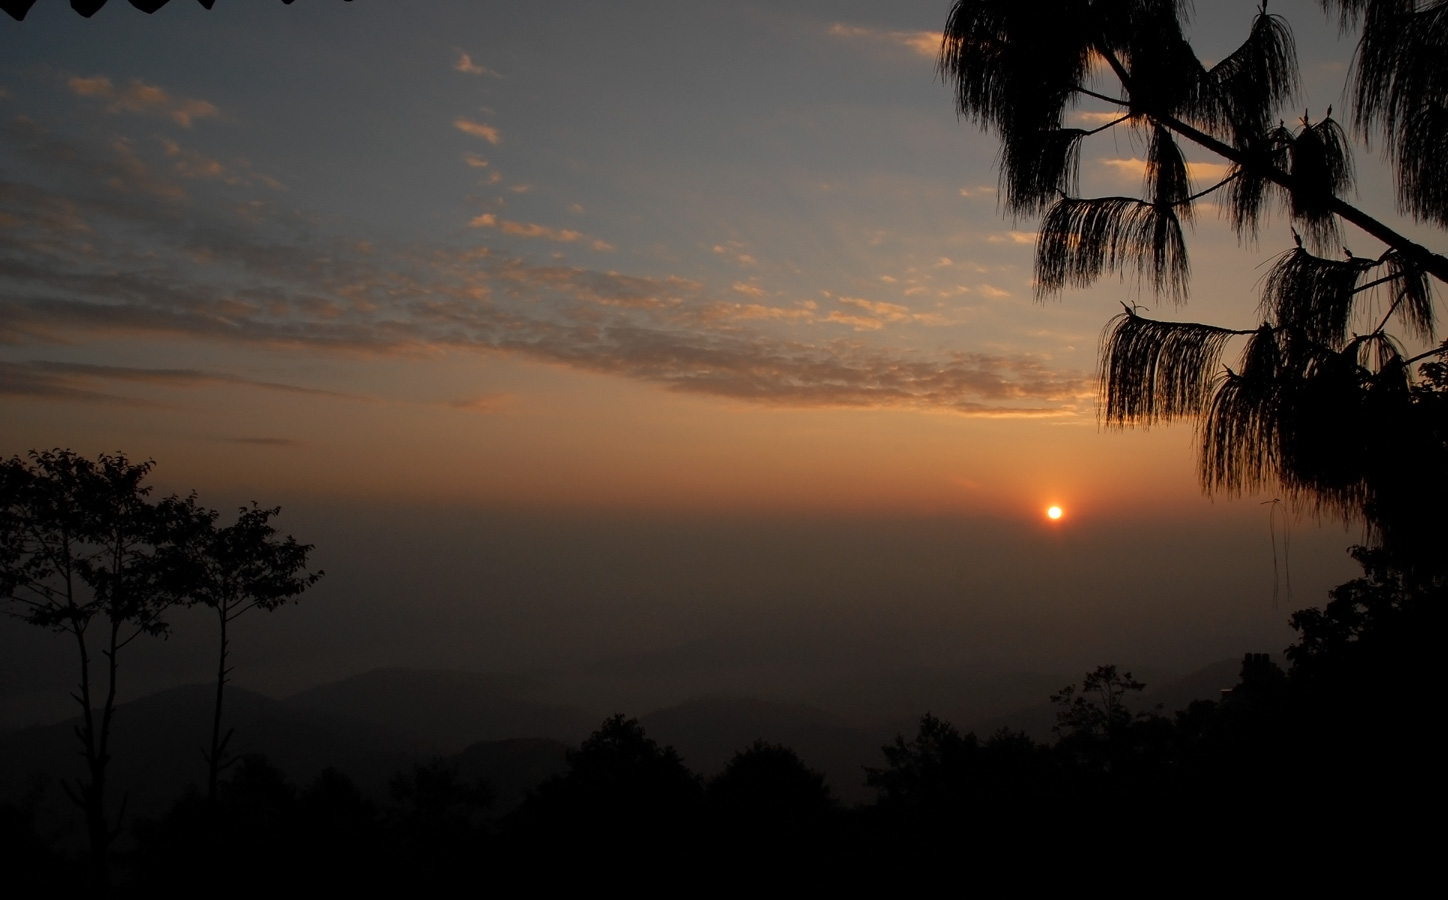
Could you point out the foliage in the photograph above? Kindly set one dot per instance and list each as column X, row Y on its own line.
column 926, row 770
column 1099, row 709
column 1381, row 608
column 84, row 552
column 232, row 569
column 1324, row 405
column 79, row 555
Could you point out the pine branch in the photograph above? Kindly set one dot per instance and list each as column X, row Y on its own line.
column 1082, row 238
column 1157, row 371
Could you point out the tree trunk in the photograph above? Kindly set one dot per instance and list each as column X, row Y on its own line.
column 218, row 744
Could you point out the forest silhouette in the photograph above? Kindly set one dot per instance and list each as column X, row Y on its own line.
column 1277, row 768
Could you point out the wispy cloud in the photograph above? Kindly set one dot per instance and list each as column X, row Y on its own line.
column 139, row 97
column 81, row 258
column 882, row 312
column 191, row 164
column 466, row 65
column 1095, row 117
column 78, row 380
column 736, row 250
column 1136, row 168
column 477, row 129
column 921, row 43
column 526, row 229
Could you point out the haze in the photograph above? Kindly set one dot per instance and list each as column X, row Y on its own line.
column 666, row 349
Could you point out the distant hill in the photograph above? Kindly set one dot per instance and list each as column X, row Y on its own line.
column 402, row 717
column 157, row 741
column 449, row 710
column 506, row 730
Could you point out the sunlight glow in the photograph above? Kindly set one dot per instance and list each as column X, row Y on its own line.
column 1054, row 512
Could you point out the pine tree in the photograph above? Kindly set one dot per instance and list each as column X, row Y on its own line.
column 1325, row 405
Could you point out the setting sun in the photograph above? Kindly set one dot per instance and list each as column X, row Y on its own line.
column 1054, row 512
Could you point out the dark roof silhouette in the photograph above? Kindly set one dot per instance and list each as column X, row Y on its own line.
column 18, row 8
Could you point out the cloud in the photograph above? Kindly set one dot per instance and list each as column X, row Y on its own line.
column 466, row 65
column 475, row 161
column 1197, row 171
column 881, row 313
column 534, row 230
column 749, row 290
column 191, row 164
column 20, row 380
column 69, row 377
column 1095, row 117
column 81, row 260
column 891, row 311
column 477, row 129
column 139, row 97
column 526, row 229
column 735, row 250
column 921, row 43
column 744, row 311
column 859, row 323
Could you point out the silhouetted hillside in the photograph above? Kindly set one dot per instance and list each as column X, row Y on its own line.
column 449, row 710
column 157, row 743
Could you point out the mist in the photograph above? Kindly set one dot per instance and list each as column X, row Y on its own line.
column 869, row 616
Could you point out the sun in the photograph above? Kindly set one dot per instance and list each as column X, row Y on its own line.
column 1054, row 512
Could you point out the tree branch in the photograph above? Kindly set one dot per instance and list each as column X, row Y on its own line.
column 1433, row 263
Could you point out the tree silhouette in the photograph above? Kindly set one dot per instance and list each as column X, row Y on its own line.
column 623, row 795
column 768, row 790
column 1323, row 405
column 930, row 771
column 78, row 555
column 1099, row 710
column 232, row 569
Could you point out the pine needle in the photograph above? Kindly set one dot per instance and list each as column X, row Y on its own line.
column 1314, row 294
column 1157, row 371
column 1080, row 239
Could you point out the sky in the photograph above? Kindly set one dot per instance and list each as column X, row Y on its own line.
column 517, row 279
